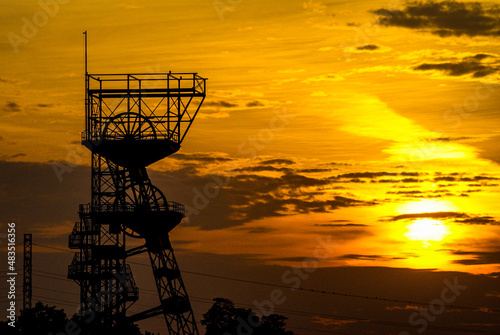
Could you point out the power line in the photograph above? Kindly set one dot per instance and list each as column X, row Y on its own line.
column 51, row 290
column 49, row 247
column 309, row 314
column 54, row 299
column 479, row 309
column 51, row 273
column 348, row 295
column 295, row 312
column 38, row 275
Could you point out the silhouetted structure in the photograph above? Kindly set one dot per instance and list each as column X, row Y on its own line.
column 132, row 121
column 28, row 263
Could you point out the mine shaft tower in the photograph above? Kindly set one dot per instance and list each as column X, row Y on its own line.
column 132, row 121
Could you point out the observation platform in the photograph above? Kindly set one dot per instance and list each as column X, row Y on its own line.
column 146, row 222
column 130, row 152
column 137, row 119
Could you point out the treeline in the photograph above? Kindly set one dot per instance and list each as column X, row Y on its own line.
column 223, row 318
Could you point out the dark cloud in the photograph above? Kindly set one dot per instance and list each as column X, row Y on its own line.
column 405, row 186
column 44, row 105
column 367, row 257
column 444, row 178
column 457, row 217
column 386, row 181
column 356, row 180
column 258, row 206
column 477, row 178
column 446, row 18
column 450, row 139
column 473, row 191
column 369, row 175
column 33, row 192
column 339, row 164
column 252, row 197
column 368, row 47
column 220, row 103
column 478, row 220
column 335, row 225
column 478, row 257
column 460, row 68
column 446, row 185
column 3, row 80
column 431, row 215
column 340, row 220
column 292, row 259
column 314, row 170
column 482, row 185
column 255, row 104
column 483, row 177
column 297, row 180
column 480, row 56
column 200, row 157
column 8, row 157
column 262, row 168
column 11, row 107
column 410, row 180
column 495, row 275
column 406, row 192
column 245, row 197
column 278, row 161
column 257, row 230
column 410, row 174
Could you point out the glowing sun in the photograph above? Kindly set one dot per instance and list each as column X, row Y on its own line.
column 426, row 230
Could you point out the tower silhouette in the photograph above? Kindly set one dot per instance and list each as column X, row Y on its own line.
column 27, row 275
column 132, row 121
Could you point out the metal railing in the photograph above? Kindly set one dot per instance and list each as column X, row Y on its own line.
column 111, row 94
column 147, row 82
column 163, row 206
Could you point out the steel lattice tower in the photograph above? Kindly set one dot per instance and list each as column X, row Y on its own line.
column 28, row 266
column 132, row 121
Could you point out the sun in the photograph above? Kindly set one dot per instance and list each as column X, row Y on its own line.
column 426, row 230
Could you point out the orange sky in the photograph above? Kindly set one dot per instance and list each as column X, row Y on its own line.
column 372, row 124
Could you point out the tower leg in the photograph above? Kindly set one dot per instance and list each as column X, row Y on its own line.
column 173, row 296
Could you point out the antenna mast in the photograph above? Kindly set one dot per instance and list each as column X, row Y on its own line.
column 85, row 33
column 86, row 82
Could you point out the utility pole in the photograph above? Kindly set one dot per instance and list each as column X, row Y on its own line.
column 28, row 262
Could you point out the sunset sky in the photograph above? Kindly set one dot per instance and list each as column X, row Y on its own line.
column 365, row 132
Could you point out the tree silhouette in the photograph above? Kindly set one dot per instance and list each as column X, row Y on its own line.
column 273, row 324
column 89, row 326
column 224, row 318
column 45, row 320
column 41, row 319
